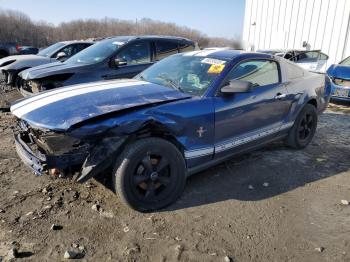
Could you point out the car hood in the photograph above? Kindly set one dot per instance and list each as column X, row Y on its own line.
column 62, row 108
column 21, row 61
column 339, row 71
column 50, row 69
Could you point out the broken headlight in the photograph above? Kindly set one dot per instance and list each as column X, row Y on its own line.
column 341, row 82
column 35, row 86
column 58, row 143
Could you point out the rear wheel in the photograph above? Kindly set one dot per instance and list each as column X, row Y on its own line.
column 149, row 174
column 304, row 128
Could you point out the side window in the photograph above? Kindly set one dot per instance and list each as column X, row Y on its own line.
column 69, row 50
column 323, row 56
column 258, row 72
column 136, row 53
column 185, row 47
column 346, row 61
column 308, row 57
column 165, row 48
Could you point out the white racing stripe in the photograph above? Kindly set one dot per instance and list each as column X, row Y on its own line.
column 204, row 52
column 72, row 87
column 238, row 141
column 64, row 93
column 199, row 152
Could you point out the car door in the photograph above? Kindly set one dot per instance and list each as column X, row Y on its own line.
column 137, row 57
column 243, row 118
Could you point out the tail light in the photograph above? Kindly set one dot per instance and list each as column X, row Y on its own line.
column 18, row 48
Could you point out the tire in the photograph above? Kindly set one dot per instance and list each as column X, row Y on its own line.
column 149, row 174
column 3, row 54
column 304, row 128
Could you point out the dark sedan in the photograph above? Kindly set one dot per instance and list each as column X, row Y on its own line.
column 11, row 66
column 112, row 58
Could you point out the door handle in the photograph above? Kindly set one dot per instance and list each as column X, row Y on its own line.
column 280, row 96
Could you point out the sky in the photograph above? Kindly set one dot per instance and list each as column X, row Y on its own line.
column 221, row 18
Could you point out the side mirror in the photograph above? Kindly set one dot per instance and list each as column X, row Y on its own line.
column 119, row 62
column 61, row 56
column 237, row 86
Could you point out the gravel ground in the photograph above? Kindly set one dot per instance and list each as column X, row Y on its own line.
column 275, row 204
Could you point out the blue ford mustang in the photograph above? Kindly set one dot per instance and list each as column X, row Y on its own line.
column 340, row 75
column 180, row 116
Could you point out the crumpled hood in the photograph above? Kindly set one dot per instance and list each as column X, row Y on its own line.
column 339, row 71
column 21, row 61
column 50, row 69
column 61, row 108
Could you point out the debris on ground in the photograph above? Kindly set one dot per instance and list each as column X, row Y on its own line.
column 227, row 259
column 56, row 227
column 344, row 202
column 319, row 249
column 70, row 254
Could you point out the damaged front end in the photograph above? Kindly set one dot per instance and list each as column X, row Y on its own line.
column 31, row 87
column 56, row 153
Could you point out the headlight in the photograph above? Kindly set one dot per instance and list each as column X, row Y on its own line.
column 58, row 143
column 341, row 82
column 35, row 86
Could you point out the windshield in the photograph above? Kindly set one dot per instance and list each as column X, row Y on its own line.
column 346, row 61
column 188, row 74
column 95, row 53
column 51, row 49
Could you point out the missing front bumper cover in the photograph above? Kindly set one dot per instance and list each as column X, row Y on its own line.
column 41, row 163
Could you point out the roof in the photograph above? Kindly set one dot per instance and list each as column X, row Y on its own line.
column 77, row 41
column 133, row 37
column 224, row 53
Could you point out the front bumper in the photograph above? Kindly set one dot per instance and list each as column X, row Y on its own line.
column 337, row 90
column 35, row 162
column 40, row 163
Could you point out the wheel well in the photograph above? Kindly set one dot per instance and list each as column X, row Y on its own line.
column 313, row 102
column 157, row 130
column 4, row 52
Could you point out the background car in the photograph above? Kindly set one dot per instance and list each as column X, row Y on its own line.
column 112, row 58
column 340, row 75
column 180, row 116
column 28, row 50
column 11, row 66
column 311, row 60
column 10, row 48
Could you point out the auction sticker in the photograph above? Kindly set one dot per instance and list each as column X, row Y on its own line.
column 213, row 61
column 216, row 69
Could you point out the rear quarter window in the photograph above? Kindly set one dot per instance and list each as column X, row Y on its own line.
column 294, row 71
column 258, row 72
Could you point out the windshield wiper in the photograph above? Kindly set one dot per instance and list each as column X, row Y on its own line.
column 172, row 83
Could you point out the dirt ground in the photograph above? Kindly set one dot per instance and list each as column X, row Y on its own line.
column 275, row 204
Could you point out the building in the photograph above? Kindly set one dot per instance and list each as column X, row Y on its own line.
column 299, row 24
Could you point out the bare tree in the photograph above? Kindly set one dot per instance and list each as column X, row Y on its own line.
column 18, row 27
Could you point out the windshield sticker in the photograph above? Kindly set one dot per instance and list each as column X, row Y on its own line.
column 118, row 43
column 212, row 61
column 216, row 69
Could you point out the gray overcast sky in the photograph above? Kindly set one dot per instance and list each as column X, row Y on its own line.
column 223, row 18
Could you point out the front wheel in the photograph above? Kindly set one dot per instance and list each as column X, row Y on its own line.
column 149, row 174
column 304, row 128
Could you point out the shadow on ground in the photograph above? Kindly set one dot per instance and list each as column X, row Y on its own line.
column 284, row 169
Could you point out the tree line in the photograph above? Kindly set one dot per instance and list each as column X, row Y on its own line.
column 18, row 27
